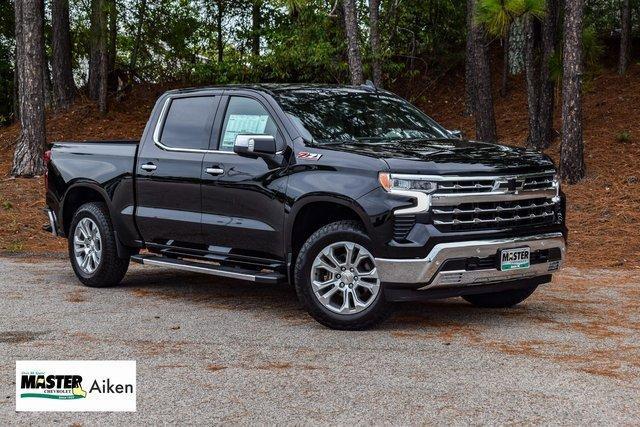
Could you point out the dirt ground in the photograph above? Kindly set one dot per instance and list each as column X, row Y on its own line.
column 211, row 350
column 603, row 210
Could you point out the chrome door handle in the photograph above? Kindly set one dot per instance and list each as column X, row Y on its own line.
column 149, row 167
column 214, row 171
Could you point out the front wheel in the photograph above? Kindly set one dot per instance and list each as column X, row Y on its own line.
column 502, row 299
column 92, row 247
column 336, row 278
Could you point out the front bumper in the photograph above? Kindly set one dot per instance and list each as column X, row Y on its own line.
column 427, row 273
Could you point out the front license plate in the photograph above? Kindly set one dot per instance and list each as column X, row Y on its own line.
column 515, row 259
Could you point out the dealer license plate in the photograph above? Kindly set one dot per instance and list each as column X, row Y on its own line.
column 515, row 259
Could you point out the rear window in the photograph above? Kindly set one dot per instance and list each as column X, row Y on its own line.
column 188, row 123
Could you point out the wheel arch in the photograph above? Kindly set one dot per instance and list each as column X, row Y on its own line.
column 78, row 194
column 314, row 211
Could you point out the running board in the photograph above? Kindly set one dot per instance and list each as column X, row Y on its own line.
column 214, row 270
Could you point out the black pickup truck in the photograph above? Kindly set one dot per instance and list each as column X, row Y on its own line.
column 351, row 194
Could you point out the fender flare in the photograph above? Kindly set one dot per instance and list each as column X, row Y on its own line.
column 335, row 198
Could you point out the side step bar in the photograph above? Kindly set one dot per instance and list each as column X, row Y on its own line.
column 214, row 270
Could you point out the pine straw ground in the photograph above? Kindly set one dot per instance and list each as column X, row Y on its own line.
column 603, row 210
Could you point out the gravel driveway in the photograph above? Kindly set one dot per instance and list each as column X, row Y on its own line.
column 211, row 350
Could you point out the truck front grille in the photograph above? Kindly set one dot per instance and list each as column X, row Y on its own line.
column 474, row 216
column 477, row 203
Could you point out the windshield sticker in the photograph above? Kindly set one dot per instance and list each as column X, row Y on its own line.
column 251, row 124
column 304, row 155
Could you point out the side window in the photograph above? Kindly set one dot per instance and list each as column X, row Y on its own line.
column 245, row 116
column 188, row 122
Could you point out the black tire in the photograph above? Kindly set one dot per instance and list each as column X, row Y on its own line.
column 350, row 231
column 502, row 299
column 111, row 268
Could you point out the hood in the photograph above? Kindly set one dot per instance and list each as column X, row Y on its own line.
column 450, row 156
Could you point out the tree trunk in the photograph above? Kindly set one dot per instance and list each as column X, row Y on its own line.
column 547, row 85
column 99, row 57
column 572, row 166
column 469, row 78
column 505, row 66
column 532, row 77
column 113, row 34
column 28, row 156
column 625, row 36
column 219, row 29
column 374, row 19
column 255, row 27
column 142, row 12
column 96, row 44
column 483, row 98
column 64, row 88
column 353, row 47
column 16, row 104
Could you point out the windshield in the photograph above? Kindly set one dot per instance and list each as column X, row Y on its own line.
column 333, row 116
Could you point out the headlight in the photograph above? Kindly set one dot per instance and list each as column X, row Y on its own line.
column 391, row 182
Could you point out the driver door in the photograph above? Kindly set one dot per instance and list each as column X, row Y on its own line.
column 243, row 197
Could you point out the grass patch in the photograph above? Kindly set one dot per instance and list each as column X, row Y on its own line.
column 624, row 137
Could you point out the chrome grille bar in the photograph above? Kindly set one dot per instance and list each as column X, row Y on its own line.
column 496, row 219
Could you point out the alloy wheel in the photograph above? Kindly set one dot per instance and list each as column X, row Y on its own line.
column 344, row 278
column 87, row 245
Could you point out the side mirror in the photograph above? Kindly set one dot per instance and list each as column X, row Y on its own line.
column 254, row 145
column 457, row 134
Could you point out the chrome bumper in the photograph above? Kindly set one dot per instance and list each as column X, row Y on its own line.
column 426, row 271
column 52, row 221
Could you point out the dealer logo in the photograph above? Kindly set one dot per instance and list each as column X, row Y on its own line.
column 52, row 386
column 82, row 385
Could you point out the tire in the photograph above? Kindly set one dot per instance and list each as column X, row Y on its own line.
column 502, row 299
column 340, row 237
column 109, row 268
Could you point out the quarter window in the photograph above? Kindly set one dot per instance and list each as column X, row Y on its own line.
column 245, row 116
column 188, row 122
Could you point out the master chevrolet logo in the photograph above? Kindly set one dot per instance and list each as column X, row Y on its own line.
column 53, row 386
column 70, row 385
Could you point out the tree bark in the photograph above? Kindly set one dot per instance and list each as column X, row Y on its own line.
column 483, row 98
column 505, row 66
column 255, row 27
column 547, row 85
column 374, row 19
column 64, row 88
column 572, row 166
column 142, row 12
column 532, row 77
column 469, row 78
column 28, row 156
column 353, row 46
column 625, row 36
column 99, row 57
column 113, row 34
column 219, row 29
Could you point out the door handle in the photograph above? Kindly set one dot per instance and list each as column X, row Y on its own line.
column 149, row 167
column 214, row 171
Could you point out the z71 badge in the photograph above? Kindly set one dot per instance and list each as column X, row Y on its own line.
column 304, row 155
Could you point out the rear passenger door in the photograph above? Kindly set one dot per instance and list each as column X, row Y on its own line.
column 169, row 170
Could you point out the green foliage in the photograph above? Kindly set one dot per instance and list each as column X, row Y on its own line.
column 498, row 15
column 592, row 47
column 6, row 205
column 624, row 137
column 592, row 50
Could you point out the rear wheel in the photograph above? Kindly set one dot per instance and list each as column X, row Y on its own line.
column 336, row 278
column 501, row 299
column 92, row 247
